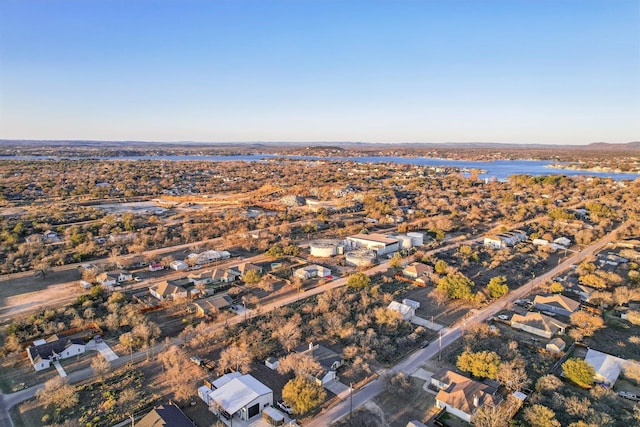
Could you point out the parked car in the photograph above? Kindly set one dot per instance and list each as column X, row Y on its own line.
column 286, row 408
column 503, row 317
column 137, row 279
column 196, row 360
column 97, row 339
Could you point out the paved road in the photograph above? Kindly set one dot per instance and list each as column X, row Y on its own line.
column 450, row 335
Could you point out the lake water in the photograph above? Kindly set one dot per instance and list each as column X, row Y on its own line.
column 498, row 169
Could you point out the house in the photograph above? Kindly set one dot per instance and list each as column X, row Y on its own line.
column 416, row 269
column 44, row 352
column 406, row 311
column 131, row 261
column 224, row 276
column 209, row 307
column 379, row 243
column 506, row 239
column 156, row 267
column 201, row 278
column 538, row 324
column 165, row 416
column 165, row 290
column 111, row 278
column 328, row 359
column 582, row 291
column 557, row 304
column 178, row 265
column 242, row 269
column 607, row 367
column 237, row 395
column 461, row 396
column 312, row 271
column 556, row 345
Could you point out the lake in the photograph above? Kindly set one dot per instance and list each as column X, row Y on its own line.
column 498, row 169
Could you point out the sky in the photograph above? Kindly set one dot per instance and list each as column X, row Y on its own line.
column 511, row 71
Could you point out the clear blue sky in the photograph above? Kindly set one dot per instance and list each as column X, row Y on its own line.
column 540, row 71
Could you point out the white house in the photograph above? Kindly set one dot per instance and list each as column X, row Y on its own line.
column 506, row 239
column 178, row 265
column 242, row 396
column 44, row 352
column 156, row 267
column 111, row 278
column 607, row 367
column 312, row 271
column 406, row 311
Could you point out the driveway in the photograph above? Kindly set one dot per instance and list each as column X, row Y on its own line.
column 103, row 348
column 426, row 323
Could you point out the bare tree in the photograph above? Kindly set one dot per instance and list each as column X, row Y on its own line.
column 301, row 364
column 289, row 334
column 58, row 393
column 235, row 357
column 100, row 366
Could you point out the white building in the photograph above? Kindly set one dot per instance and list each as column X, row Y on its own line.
column 178, row 265
column 44, row 352
column 312, row 271
column 379, row 243
column 506, row 239
column 236, row 395
column 406, row 311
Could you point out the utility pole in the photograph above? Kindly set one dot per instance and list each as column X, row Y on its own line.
column 350, row 401
column 439, row 344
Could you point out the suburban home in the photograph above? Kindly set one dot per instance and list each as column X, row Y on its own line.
column 406, row 311
column 44, row 352
column 538, row 324
column 165, row 290
column 242, row 269
column 556, row 345
column 111, row 278
column 416, row 270
column 327, row 358
column 582, row 291
column 156, row 267
column 165, row 416
column 506, row 239
column 178, row 265
column 201, row 278
column 461, row 396
column 209, row 307
column 224, row 276
column 132, row 261
column 312, row 271
column 238, row 395
column 379, row 243
column 607, row 367
column 557, row 304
